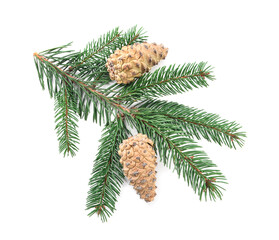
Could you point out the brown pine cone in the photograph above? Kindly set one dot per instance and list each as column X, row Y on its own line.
column 134, row 60
column 139, row 162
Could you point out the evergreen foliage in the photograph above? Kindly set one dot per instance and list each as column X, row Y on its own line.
column 66, row 122
column 107, row 176
column 167, row 81
column 197, row 123
column 80, row 84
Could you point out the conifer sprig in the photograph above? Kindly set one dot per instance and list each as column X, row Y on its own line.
column 77, row 69
column 167, row 81
column 79, row 82
column 66, row 123
column 198, row 123
column 107, row 176
column 104, row 108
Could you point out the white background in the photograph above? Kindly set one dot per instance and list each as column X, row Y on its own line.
column 43, row 195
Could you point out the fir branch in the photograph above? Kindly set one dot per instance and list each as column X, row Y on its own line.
column 107, row 176
column 76, row 79
column 126, row 111
column 103, row 106
column 198, row 123
column 167, row 81
column 66, row 123
column 175, row 148
column 52, row 64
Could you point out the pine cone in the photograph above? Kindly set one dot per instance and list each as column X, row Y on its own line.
column 134, row 60
column 139, row 162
